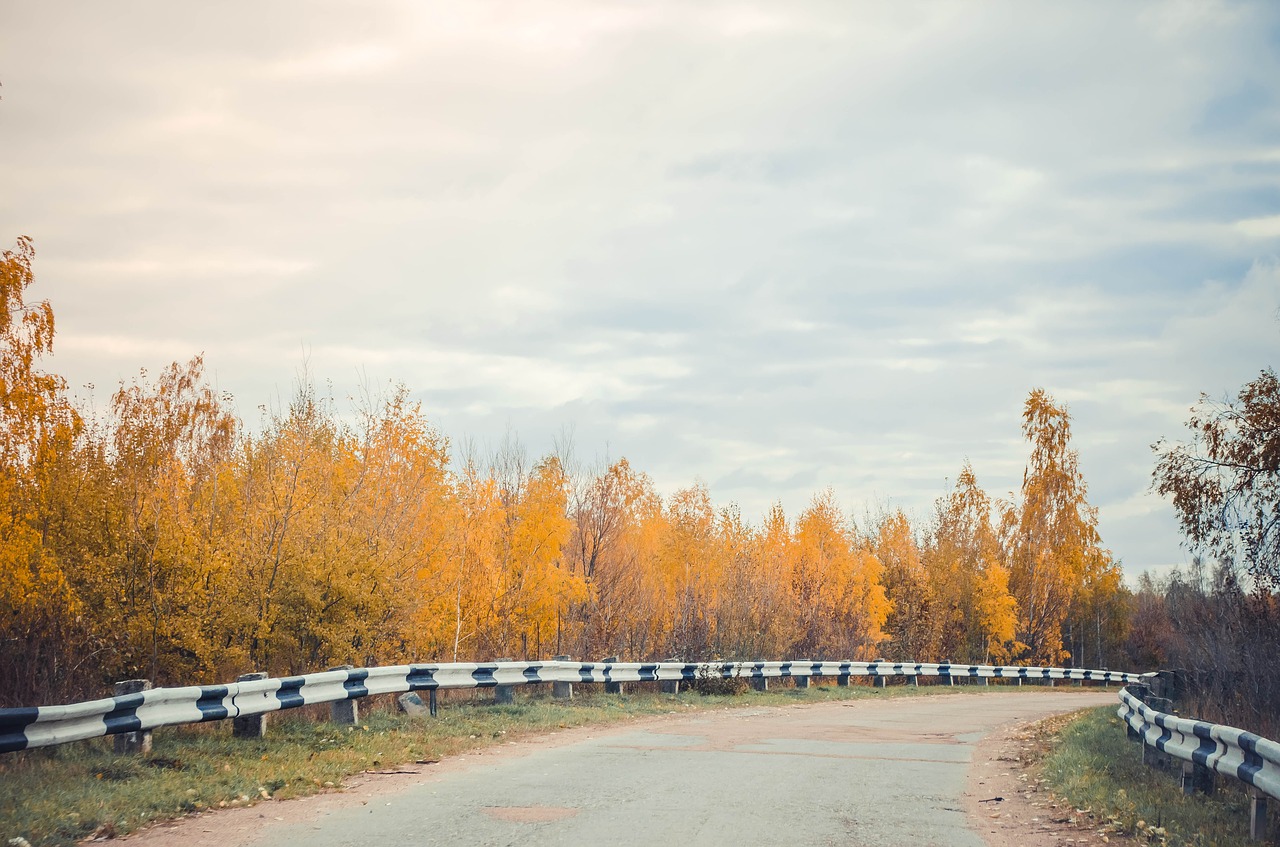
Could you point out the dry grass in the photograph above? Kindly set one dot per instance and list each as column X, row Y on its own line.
column 1090, row 763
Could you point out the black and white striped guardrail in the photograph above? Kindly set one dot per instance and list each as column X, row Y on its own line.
column 1232, row 752
column 44, row 726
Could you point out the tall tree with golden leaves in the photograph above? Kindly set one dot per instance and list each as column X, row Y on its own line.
column 38, row 428
column 403, row 516
column 1051, row 535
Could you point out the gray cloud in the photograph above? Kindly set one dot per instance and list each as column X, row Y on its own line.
column 774, row 248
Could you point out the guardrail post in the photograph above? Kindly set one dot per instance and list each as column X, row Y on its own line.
column 611, row 687
column 345, row 711
column 670, row 686
column 1196, row 777
column 131, row 743
column 504, row 695
column 1257, row 815
column 249, row 726
column 1153, row 756
column 562, row 690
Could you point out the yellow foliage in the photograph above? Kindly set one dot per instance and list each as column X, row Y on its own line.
column 915, row 624
column 836, row 582
column 1050, row 536
column 976, row 611
column 165, row 539
column 37, row 429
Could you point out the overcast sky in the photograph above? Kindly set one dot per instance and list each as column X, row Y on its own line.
column 772, row 247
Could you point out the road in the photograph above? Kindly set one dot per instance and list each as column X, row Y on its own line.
column 874, row 772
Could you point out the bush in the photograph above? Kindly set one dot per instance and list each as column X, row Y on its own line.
column 711, row 680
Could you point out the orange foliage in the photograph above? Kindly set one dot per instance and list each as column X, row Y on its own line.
column 1050, row 538
column 165, row 539
column 38, row 426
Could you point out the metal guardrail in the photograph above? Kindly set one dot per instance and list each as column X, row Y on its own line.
column 1226, row 750
column 43, row 726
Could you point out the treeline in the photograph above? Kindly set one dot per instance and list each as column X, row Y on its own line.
column 1219, row 626
column 1221, row 634
column 163, row 538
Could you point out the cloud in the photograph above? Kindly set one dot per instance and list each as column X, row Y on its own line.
column 776, row 248
column 1266, row 227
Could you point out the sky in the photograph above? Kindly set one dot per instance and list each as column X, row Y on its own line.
column 770, row 248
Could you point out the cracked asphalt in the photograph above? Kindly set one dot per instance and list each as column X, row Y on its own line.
column 874, row 772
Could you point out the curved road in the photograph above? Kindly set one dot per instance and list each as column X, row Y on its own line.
column 882, row 772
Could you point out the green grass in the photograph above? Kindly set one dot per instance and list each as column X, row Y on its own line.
column 59, row 795
column 1097, row 768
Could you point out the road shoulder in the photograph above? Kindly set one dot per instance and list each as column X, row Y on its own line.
column 1007, row 800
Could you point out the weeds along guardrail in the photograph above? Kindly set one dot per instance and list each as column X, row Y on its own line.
column 1204, row 749
column 146, row 708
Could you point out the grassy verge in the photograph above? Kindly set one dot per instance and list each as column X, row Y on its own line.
column 59, row 795
column 1098, row 770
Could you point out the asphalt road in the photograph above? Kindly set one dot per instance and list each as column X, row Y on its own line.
column 881, row 772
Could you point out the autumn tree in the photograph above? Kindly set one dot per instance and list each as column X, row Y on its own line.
column 1151, row 639
column 38, row 429
column 1225, row 483
column 286, row 480
column 915, row 625
column 836, row 586
column 1050, row 538
column 533, row 587
column 1099, row 618
column 466, row 584
column 755, row 615
column 975, row 611
column 690, row 568
column 169, row 440
column 396, row 526
column 616, row 518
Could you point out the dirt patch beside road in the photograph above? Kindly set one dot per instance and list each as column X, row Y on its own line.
column 1007, row 800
